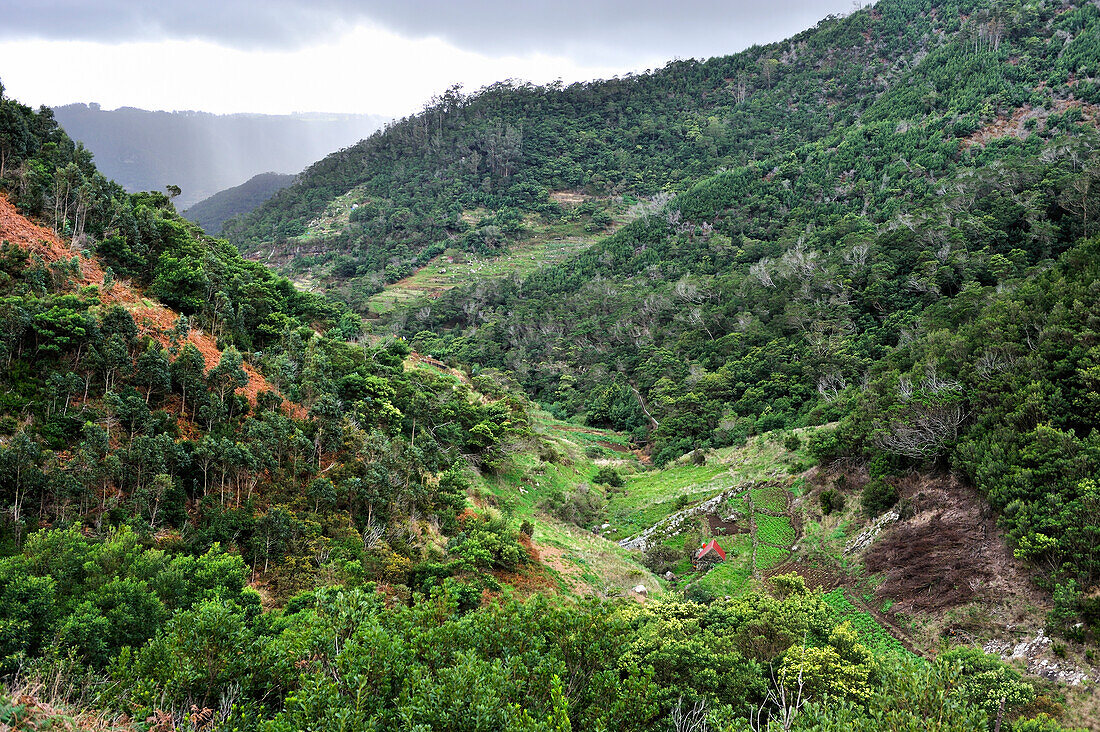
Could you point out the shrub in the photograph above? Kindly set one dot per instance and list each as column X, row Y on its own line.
column 824, row 445
column 582, row 506
column 700, row 594
column 878, row 496
column 659, row 558
column 608, row 476
column 486, row 542
column 831, row 500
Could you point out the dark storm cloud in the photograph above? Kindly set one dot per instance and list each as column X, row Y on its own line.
column 596, row 30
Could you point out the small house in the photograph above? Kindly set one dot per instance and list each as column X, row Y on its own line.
column 710, row 553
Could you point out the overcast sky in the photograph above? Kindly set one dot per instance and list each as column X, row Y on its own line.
column 371, row 56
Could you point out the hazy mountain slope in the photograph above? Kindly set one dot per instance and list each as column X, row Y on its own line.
column 497, row 154
column 205, row 153
column 211, row 213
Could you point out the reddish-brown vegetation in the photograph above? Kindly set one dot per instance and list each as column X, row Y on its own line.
column 152, row 319
column 946, row 551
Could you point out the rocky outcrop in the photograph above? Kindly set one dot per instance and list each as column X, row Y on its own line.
column 865, row 537
column 1034, row 652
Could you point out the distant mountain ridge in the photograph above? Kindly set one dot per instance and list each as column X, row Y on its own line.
column 210, row 213
column 205, row 153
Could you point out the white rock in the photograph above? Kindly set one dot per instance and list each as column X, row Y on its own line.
column 868, row 535
column 640, row 590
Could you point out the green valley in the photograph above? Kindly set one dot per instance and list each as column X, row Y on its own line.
column 754, row 393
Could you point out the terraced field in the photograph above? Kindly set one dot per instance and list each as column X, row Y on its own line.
column 870, row 631
column 440, row 275
column 774, row 530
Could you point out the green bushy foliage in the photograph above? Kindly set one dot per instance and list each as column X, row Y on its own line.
column 877, row 497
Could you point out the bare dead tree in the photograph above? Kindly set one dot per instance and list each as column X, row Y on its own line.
column 933, row 383
column 372, row 534
column 688, row 291
column 924, row 432
column 992, row 362
column 801, row 262
column 759, row 270
column 831, row 385
column 780, row 704
column 693, row 719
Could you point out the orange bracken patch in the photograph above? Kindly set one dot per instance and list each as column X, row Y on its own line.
column 153, row 320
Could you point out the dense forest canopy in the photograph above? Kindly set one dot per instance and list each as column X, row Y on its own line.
column 886, row 175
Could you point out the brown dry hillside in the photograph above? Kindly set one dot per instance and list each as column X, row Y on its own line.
column 152, row 318
column 1015, row 125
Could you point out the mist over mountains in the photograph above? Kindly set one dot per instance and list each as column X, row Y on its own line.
column 205, row 153
column 210, row 213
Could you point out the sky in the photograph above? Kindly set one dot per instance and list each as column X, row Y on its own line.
column 358, row 56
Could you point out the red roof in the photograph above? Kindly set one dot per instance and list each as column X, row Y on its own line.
column 713, row 545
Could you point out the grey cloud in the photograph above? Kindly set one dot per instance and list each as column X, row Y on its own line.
column 597, row 31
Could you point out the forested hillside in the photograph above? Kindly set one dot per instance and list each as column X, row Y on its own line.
column 831, row 302
column 889, row 177
column 501, row 150
column 210, row 213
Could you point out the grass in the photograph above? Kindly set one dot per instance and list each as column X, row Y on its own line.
column 733, row 576
column 653, row 495
column 770, row 556
column 776, row 530
column 581, row 561
column 870, row 632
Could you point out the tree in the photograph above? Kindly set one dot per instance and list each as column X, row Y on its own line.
column 152, row 371
column 228, row 376
column 188, row 371
column 989, row 683
column 19, row 468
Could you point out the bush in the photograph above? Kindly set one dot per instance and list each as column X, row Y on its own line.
column 831, row 500
column 792, row 442
column 608, row 476
column 486, row 542
column 878, row 496
column 659, row 558
column 1062, row 618
column 700, row 594
column 824, row 445
column 582, row 506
